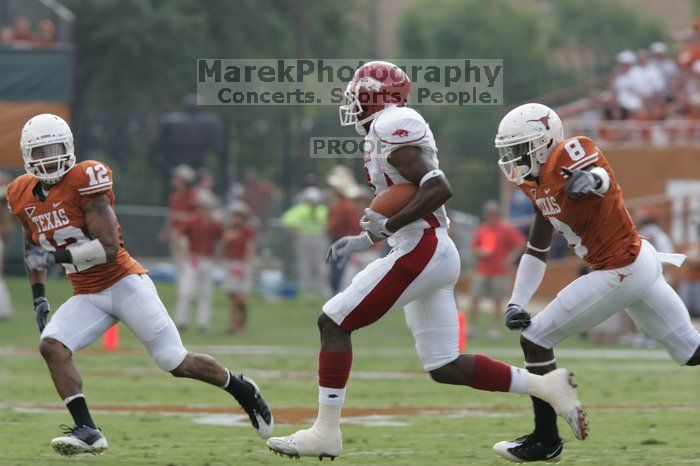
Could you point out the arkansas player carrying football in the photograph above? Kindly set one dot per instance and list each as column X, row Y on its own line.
column 419, row 274
column 574, row 192
column 67, row 213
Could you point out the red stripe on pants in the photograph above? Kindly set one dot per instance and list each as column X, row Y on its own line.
column 388, row 180
column 432, row 220
column 383, row 296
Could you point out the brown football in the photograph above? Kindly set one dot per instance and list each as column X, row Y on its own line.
column 393, row 199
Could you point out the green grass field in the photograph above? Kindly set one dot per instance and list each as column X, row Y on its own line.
column 643, row 408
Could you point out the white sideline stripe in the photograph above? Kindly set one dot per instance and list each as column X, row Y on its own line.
column 265, row 350
column 569, row 353
column 278, row 374
column 268, row 374
column 445, row 412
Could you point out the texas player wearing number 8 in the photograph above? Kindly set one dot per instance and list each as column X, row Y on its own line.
column 575, row 193
column 67, row 213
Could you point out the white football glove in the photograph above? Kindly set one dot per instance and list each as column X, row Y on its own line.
column 38, row 258
column 581, row 182
column 375, row 223
column 340, row 250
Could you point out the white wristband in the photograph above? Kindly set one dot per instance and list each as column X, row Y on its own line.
column 429, row 175
column 527, row 279
column 604, row 178
column 366, row 240
column 90, row 253
column 530, row 246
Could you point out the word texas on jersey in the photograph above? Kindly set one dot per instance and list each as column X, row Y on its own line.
column 598, row 228
column 58, row 222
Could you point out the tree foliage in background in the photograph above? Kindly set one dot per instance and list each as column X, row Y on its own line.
column 605, row 27
column 136, row 61
column 476, row 29
column 528, row 40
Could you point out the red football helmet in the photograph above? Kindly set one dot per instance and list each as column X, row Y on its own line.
column 374, row 86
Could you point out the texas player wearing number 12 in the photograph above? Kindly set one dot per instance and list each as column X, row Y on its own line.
column 66, row 210
column 574, row 191
column 419, row 274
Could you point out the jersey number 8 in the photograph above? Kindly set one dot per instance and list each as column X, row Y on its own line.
column 575, row 150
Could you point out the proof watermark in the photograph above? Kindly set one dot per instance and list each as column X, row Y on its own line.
column 345, row 147
column 295, row 81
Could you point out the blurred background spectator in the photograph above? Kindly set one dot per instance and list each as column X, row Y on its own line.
column 47, row 33
column 7, row 223
column 344, row 215
column 497, row 244
column 257, row 193
column 22, row 33
column 308, row 221
column 238, row 242
column 203, row 232
column 666, row 66
column 628, row 86
column 648, row 221
column 181, row 205
column 690, row 284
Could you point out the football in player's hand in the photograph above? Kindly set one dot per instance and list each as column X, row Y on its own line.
column 390, row 201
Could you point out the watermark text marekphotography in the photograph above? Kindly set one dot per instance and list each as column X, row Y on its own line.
column 294, row 81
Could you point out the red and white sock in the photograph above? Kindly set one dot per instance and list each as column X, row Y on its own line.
column 496, row 376
column 333, row 374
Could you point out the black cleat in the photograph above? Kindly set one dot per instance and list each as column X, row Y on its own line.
column 528, row 448
column 79, row 439
column 257, row 410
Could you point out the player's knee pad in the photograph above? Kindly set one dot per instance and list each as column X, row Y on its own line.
column 167, row 349
column 168, row 358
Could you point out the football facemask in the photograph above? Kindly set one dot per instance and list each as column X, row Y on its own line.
column 49, row 163
column 517, row 161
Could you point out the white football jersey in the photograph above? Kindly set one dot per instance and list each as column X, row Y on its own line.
column 392, row 128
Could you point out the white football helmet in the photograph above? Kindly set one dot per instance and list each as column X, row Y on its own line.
column 47, row 148
column 526, row 136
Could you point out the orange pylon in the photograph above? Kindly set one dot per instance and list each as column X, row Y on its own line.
column 111, row 338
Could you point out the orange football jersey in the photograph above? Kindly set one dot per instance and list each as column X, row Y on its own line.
column 59, row 222
column 598, row 228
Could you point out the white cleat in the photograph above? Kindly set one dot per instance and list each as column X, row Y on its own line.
column 561, row 394
column 78, row 440
column 309, row 442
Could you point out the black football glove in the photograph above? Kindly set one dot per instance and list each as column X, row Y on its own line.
column 581, row 182
column 41, row 311
column 517, row 318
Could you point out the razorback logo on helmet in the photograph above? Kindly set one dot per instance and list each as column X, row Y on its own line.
column 402, row 133
column 369, row 84
column 374, row 86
